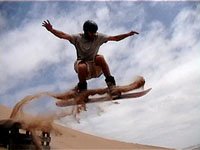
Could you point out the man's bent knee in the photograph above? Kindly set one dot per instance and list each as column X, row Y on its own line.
column 81, row 67
column 99, row 60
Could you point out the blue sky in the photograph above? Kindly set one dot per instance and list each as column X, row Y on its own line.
column 166, row 53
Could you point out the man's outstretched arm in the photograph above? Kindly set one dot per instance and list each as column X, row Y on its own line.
column 121, row 36
column 57, row 33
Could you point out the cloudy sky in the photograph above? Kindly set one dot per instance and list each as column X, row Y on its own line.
column 166, row 53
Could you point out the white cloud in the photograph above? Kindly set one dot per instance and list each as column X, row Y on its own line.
column 27, row 50
column 167, row 56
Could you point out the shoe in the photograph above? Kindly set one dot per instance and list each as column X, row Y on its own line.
column 81, row 87
column 110, row 81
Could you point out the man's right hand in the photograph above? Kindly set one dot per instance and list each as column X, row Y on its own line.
column 47, row 25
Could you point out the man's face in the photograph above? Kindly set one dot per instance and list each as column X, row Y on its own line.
column 91, row 35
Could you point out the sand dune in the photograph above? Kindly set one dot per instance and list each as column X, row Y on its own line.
column 5, row 112
column 72, row 139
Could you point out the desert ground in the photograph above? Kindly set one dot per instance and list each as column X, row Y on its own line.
column 72, row 139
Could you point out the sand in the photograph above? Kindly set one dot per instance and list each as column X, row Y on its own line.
column 72, row 139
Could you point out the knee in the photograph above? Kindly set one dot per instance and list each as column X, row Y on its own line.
column 99, row 60
column 82, row 67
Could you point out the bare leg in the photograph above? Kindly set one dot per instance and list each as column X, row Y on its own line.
column 82, row 75
column 82, row 72
column 110, row 80
column 100, row 61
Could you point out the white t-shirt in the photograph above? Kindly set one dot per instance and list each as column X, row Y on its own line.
column 87, row 50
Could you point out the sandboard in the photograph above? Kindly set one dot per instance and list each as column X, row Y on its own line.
column 123, row 96
column 105, row 98
column 71, row 97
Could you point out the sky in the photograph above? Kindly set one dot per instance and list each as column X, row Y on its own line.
column 165, row 53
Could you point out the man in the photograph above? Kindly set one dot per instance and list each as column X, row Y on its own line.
column 89, row 64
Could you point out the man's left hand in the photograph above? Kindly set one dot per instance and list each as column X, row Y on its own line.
column 132, row 33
